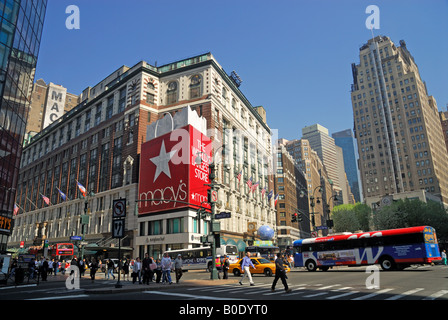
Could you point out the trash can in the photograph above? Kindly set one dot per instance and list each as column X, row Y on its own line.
column 19, row 275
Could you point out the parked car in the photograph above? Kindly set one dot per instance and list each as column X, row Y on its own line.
column 262, row 266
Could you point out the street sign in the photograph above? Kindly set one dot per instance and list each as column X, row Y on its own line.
column 214, row 196
column 314, row 234
column 222, row 215
column 321, row 227
column 76, row 238
column 119, row 208
column 118, row 228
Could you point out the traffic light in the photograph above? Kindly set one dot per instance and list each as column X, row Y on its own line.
column 294, row 217
column 300, row 217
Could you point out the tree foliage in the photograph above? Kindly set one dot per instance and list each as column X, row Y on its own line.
column 411, row 213
column 351, row 217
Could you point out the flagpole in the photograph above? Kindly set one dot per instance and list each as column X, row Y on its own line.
column 32, row 203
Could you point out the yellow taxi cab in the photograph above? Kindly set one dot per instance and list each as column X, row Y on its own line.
column 262, row 266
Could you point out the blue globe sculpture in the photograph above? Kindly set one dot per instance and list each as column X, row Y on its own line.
column 265, row 232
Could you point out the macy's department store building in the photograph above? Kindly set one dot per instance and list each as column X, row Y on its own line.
column 100, row 143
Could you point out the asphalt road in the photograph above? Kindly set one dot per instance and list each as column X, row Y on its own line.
column 350, row 284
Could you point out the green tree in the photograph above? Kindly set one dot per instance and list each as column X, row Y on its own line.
column 411, row 213
column 351, row 217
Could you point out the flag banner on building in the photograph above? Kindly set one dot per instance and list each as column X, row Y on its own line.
column 263, row 191
column 249, row 182
column 16, row 209
column 63, row 195
column 81, row 188
column 46, row 199
column 275, row 199
column 254, row 187
column 239, row 175
column 270, row 194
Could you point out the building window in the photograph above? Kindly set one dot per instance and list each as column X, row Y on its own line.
column 195, row 86
column 175, row 225
column 171, row 93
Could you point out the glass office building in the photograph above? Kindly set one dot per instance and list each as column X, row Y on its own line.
column 21, row 24
column 346, row 141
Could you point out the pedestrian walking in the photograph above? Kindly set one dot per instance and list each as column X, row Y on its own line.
column 126, row 270
column 218, row 265
column 44, row 271
column 166, row 269
column 137, row 271
column 93, row 269
column 147, row 272
column 178, row 267
column 245, row 266
column 225, row 267
column 158, row 270
column 444, row 257
column 280, row 273
column 110, row 269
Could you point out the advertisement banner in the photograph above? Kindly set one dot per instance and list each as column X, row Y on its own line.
column 169, row 176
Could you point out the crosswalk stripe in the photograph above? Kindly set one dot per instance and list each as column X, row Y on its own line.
column 407, row 293
column 342, row 295
column 436, row 295
column 315, row 295
column 368, row 296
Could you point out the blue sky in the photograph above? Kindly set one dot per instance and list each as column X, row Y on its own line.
column 294, row 56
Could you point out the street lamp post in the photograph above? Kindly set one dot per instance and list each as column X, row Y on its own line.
column 215, row 227
column 85, row 220
column 312, row 204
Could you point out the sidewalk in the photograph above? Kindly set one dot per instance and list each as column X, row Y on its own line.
column 192, row 278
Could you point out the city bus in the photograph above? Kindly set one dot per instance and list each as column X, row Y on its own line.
column 201, row 258
column 393, row 249
column 55, row 251
column 63, row 249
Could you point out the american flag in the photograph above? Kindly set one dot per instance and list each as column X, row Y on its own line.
column 249, row 182
column 16, row 209
column 239, row 175
column 46, row 199
column 263, row 191
column 255, row 186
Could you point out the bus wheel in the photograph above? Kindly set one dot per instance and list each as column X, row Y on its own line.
column 236, row 272
column 324, row 268
column 268, row 272
column 310, row 265
column 387, row 263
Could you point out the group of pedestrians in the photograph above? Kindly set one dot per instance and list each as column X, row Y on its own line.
column 280, row 272
column 156, row 270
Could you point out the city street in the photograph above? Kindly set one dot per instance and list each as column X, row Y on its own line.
column 343, row 283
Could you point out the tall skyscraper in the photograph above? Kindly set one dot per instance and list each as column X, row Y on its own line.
column 321, row 142
column 20, row 33
column 397, row 126
column 346, row 141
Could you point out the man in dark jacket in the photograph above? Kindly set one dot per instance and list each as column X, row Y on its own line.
column 146, row 269
column 280, row 272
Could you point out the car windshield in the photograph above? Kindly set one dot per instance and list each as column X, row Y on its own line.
column 264, row 261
